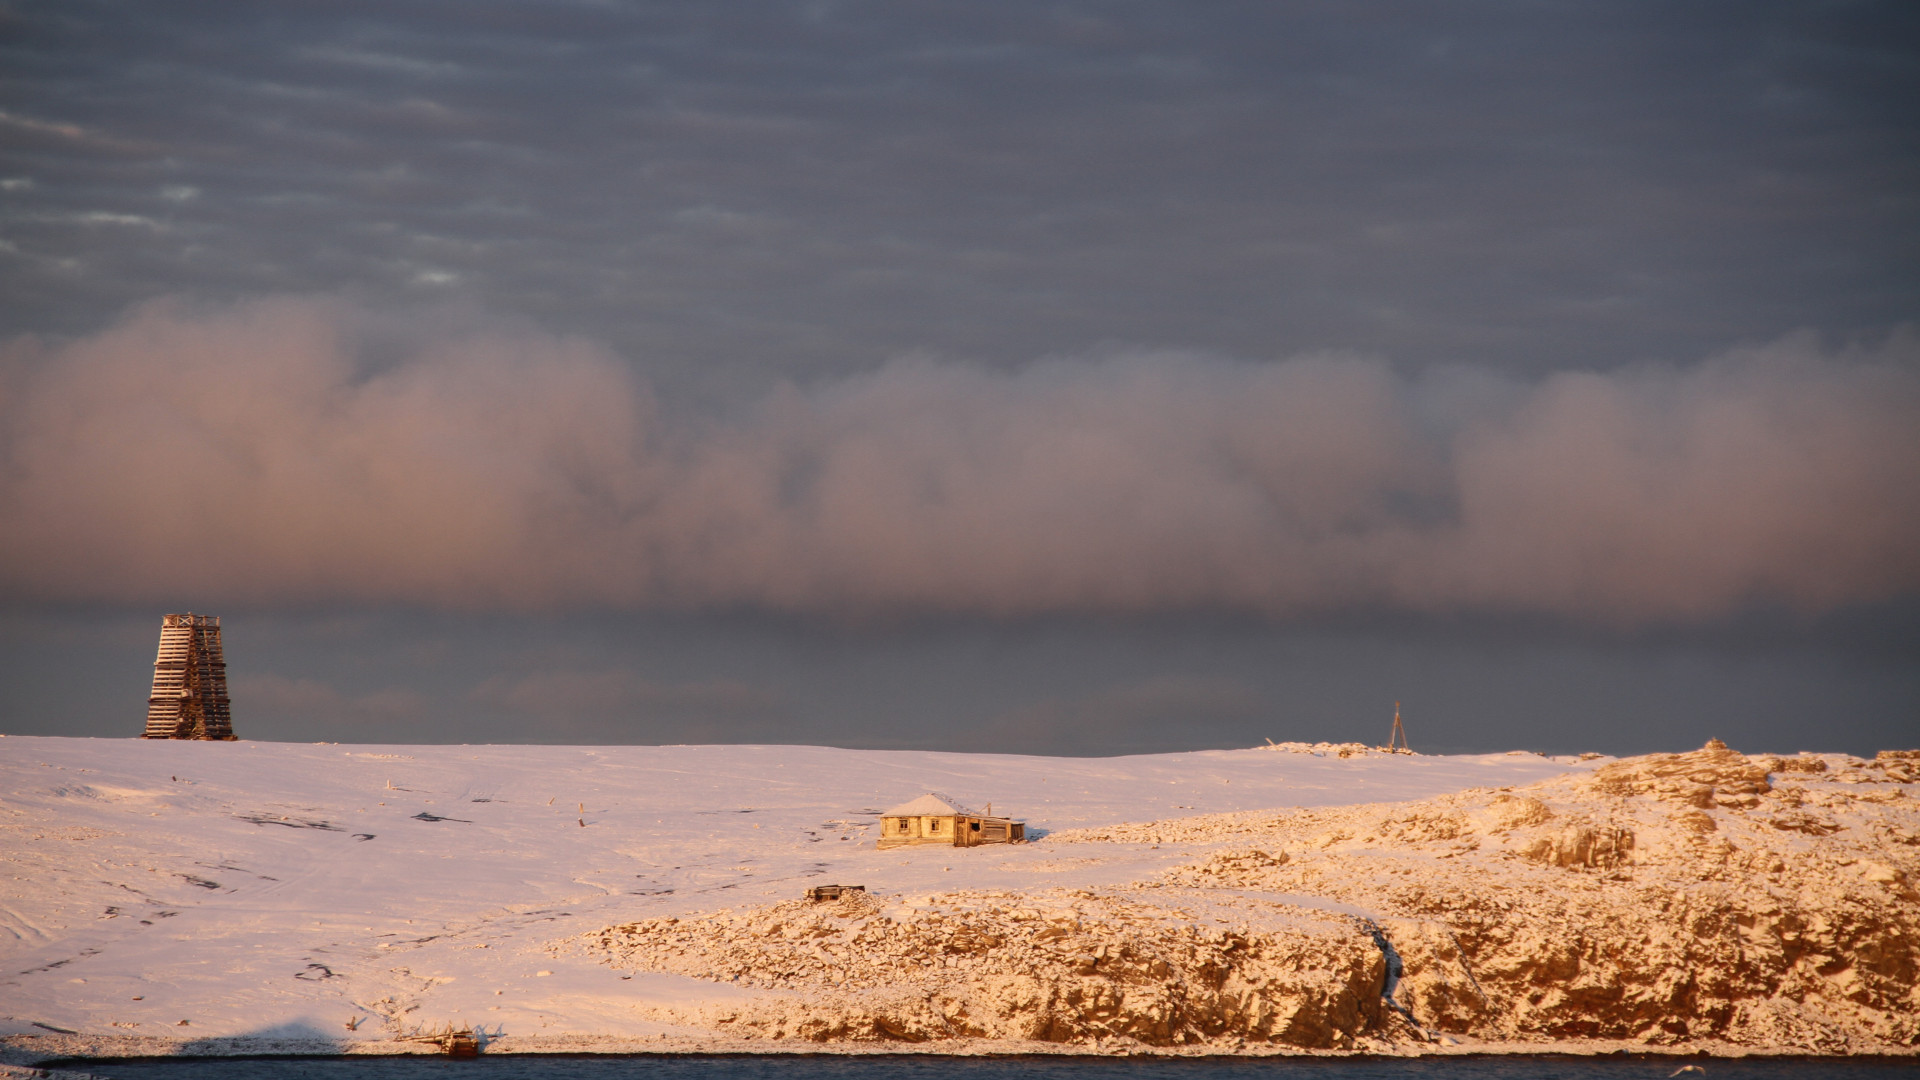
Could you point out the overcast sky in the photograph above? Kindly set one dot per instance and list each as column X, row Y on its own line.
column 1056, row 377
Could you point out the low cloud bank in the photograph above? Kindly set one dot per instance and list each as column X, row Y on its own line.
column 280, row 453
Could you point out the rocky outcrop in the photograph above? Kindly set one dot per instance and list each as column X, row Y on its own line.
column 1673, row 900
column 1708, row 777
column 1159, row 967
column 1668, row 900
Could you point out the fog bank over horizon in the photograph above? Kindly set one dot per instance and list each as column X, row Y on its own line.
column 306, row 453
column 1075, row 378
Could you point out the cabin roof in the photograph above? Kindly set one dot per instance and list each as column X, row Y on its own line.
column 932, row 804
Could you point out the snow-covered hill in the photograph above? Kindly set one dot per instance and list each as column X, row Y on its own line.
column 220, row 896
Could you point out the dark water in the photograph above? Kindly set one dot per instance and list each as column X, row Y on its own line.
column 916, row 1067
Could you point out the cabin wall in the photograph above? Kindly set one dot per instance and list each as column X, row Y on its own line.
column 961, row 831
column 918, row 830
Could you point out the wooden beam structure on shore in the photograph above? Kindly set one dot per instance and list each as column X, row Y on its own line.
column 189, row 699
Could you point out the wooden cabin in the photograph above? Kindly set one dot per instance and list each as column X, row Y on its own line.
column 934, row 818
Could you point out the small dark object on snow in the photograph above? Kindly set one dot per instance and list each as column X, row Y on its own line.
column 461, row 1044
column 820, row 893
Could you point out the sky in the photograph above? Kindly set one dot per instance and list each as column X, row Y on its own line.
column 1058, row 378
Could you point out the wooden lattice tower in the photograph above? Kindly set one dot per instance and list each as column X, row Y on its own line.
column 1399, row 734
column 189, row 699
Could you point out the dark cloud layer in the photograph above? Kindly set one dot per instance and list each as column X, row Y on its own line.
column 730, row 192
column 1091, row 376
column 483, row 470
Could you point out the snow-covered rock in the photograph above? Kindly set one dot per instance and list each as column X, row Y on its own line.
column 251, row 897
column 1670, row 899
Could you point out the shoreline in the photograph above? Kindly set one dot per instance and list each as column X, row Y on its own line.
column 76, row 1051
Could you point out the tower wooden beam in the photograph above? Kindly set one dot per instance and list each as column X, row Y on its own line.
column 189, row 699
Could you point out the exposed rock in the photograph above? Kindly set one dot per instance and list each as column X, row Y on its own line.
column 1161, row 967
column 1504, row 812
column 1901, row 766
column 1670, row 900
column 1706, row 777
column 1586, row 844
column 1325, row 749
column 1667, row 899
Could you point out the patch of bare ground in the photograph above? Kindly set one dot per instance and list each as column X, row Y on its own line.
column 1708, row 899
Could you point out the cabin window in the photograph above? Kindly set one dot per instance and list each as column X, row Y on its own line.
column 903, row 825
column 934, row 825
column 976, row 826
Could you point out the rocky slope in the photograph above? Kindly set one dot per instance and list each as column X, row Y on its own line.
column 1161, row 967
column 1708, row 898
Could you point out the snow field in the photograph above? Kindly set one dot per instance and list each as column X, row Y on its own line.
column 261, row 890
